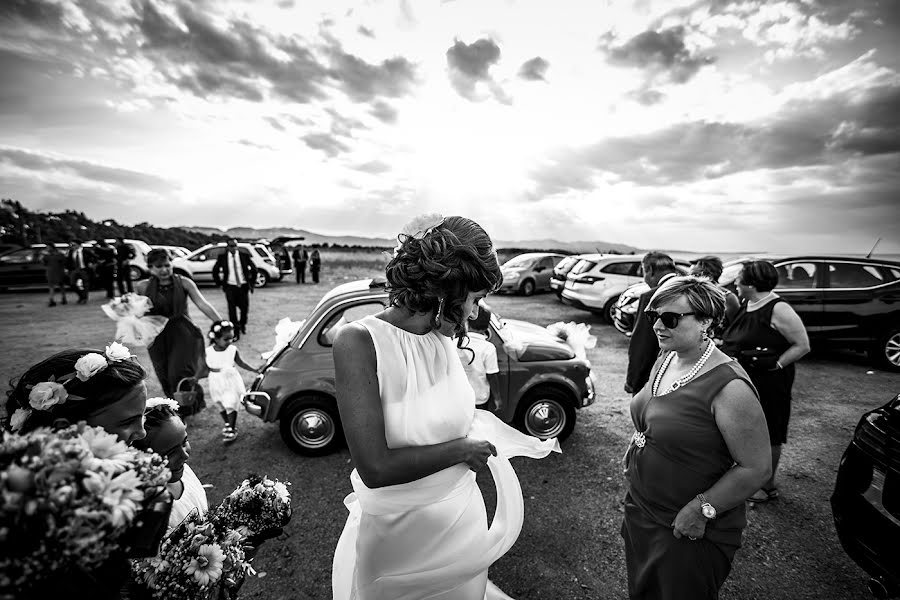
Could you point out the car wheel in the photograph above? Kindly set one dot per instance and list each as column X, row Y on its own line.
column 545, row 413
column 608, row 309
column 135, row 273
column 262, row 279
column 311, row 426
column 886, row 352
column 527, row 287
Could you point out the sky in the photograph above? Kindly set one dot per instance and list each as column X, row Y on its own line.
column 703, row 125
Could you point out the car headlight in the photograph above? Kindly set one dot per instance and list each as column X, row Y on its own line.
column 511, row 275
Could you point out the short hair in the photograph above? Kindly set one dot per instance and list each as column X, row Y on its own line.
column 104, row 388
column 759, row 274
column 154, row 417
column 708, row 266
column 451, row 260
column 156, row 256
column 658, row 262
column 706, row 299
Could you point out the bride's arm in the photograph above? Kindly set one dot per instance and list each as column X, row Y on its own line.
column 359, row 403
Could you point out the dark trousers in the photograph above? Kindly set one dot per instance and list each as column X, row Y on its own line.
column 301, row 272
column 80, row 282
column 238, row 298
column 315, row 274
column 106, row 275
column 123, row 278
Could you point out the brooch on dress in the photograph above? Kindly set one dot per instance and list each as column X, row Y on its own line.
column 639, row 439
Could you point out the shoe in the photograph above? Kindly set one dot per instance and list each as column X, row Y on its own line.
column 229, row 435
column 763, row 495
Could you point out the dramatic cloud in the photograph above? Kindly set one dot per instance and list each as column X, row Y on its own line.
column 534, row 69
column 660, row 52
column 470, row 64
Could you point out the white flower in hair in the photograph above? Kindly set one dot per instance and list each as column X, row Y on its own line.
column 419, row 227
column 117, row 352
column 46, row 394
column 154, row 402
column 18, row 418
column 89, row 365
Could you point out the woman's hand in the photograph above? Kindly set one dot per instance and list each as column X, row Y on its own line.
column 477, row 452
column 689, row 521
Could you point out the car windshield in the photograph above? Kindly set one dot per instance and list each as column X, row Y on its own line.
column 583, row 266
column 566, row 264
column 518, row 262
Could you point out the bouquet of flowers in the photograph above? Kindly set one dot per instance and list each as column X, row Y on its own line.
column 285, row 330
column 131, row 325
column 575, row 335
column 72, row 499
column 259, row 505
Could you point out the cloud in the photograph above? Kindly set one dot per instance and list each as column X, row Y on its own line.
column 470, row 64
column 534, row 69
column 659, row 52
column 41, row 165
column 365, row 31
column 384, row 112
column 364, row 82
column 373, row 167
column 326, row 142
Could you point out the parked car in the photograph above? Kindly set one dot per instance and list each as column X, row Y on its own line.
column 173, row 251
column 625, row 309
column 198, row 265
column 866, row 499
column 542, row 383
column 562, row 268
column 529, row 273
column 24, row 267
column 138, row 268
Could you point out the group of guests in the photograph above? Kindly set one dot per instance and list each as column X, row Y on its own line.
column 80, row 267
column 302, row 258
column 712, row 375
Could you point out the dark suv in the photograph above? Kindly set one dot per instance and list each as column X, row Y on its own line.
column 541, row 380
column 866, row 499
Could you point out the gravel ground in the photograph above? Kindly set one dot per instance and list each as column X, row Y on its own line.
column 570, row 546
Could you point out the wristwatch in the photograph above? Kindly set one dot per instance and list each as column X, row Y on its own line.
column 707, row 509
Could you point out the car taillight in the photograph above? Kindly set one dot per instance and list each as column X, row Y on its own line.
column 589, row 279
column 269, row 260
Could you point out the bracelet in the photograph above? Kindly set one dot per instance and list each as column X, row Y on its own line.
column 778, row 364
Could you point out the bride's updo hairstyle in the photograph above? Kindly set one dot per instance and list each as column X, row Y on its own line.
column 103, row 388
column 435, row 268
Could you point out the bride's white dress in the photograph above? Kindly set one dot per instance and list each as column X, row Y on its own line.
column 429, row 539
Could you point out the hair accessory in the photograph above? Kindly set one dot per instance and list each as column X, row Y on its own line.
column 154, row 402
column 418, row 228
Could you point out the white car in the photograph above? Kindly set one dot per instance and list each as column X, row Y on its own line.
column 597, row 280
column 173, row 251
column 138, row 269
column 198, row 265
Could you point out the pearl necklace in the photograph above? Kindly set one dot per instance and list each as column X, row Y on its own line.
column 752, row 304
column 687, row 376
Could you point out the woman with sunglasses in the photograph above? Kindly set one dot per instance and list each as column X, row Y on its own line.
column 699, row 448
column 767, row 336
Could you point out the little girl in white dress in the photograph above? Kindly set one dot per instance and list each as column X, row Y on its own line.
column 226, row 387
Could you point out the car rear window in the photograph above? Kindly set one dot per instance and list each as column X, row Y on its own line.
column 854, row 275
column 583, row 266
column 565, row 265
column 624, row 268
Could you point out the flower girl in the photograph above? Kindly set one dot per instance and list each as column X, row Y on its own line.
column 225, row 384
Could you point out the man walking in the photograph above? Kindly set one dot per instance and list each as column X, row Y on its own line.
column 106, row 266
column 300, row 256
column 76, row 263
column 124, row 254
column 643, row 348
column 235, row 273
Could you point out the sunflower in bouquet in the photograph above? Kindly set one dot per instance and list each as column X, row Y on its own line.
column 72, row 502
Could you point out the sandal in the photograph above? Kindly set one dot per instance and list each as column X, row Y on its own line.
column 763, row 495
column 228, row 434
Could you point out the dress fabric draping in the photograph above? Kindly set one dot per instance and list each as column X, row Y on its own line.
column 193, row 496
column 430, row 538
column 226, row 387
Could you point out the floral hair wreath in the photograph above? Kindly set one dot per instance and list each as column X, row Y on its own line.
column 418, row 228
column 46, row 394
column 154, row 402
column 217, row 328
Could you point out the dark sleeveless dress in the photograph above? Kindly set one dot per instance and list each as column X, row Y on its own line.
column 177, row 352
column 751, row 330
column 683, row 455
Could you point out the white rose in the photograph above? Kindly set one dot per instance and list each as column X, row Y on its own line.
column 117, row 351
column 18, row 418
column 46, row 394
column 89, row 365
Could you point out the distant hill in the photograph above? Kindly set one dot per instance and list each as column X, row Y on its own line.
column 349, row 240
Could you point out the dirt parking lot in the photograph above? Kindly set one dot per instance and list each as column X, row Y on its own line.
column 570, row 546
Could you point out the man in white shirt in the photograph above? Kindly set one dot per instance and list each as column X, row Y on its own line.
column 236, row 274
column 77, row 264
column 479, row 360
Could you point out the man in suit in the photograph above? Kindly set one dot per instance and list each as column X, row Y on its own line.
column 300, row 257
column 124, row 254
column 236, row 274
column 106, row 266
column 643, row 348
column 77, row 260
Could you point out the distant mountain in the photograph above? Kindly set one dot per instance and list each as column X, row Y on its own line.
column 349, row 240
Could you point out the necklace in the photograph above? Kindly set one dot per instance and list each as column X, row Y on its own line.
column 751, row 304
column 687, row 376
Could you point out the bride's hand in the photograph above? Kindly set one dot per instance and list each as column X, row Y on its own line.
column 477, row 453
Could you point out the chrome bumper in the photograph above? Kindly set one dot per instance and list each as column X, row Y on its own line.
column 256, row 403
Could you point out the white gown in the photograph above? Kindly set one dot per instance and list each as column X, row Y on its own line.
column 430, row 538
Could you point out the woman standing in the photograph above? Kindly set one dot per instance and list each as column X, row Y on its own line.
column 409, row 418
column 767, row 337
column 177, row 352
column 699, row 449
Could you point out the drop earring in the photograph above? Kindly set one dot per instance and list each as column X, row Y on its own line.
column 437, row 315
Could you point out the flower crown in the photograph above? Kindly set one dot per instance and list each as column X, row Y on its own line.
column 46, row 394
column 217, row 328
column 418, row 228
column 154, row 402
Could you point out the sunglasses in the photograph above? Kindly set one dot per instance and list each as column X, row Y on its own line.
column 669, row 320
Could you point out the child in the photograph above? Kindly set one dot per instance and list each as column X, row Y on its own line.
column 225, row 384
column 167, row 436
column 479, row 360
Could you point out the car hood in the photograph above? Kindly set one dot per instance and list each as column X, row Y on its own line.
column 529, row 342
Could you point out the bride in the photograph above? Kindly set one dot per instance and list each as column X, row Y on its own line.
column 417, row 526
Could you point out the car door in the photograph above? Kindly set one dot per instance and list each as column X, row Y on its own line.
column 800, row 283
column 21, row 268
column 542, row 273
column 850, row 306
column 317, row 349
column 204, row 262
